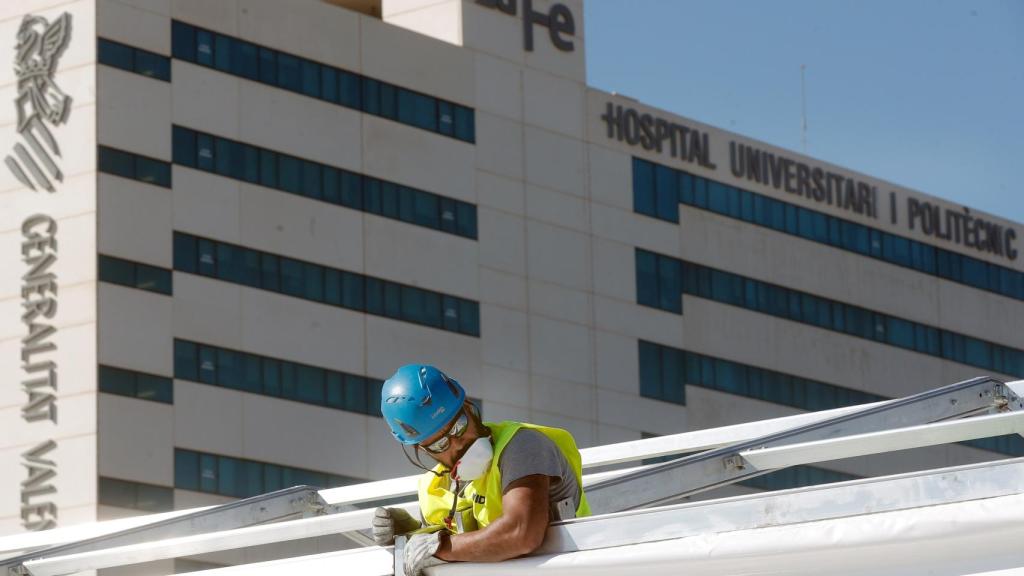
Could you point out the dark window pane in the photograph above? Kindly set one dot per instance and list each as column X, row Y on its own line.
column 289, row 380
column 432, row 309
column 204, row 48
column 450, row 311
column 646, row 278
column 314, row 280
column 184, row 146
column 153, row 171
column 117, row 271
column 335, row 393
column 389, row 199
column 643, row 187
column 425, row 112
column 186, row 361
column 352, row 286
column 374, row 296
column 355, row 394
column 448, row 211
column 412, row 304
column 311, row 78
column 268, row 66
column 406, row 106
column 292, row 277
column 270, row 274
column 207, row 365
column 153, row 279
column 116, row 381
column 155, row 388
column 666, row 194
column 392, row 300
column 250, row 163
column 371, row 96
column 208, row 472
column 332, row 286
column 222, row 53
column 271, row 377
column 464, row 124
column 331, row 185
column 350, row 89
column 250, row 373
column 116, row 162
column 207, row 258
column 228, row 369
column 650, row 370
column 183, row 41
column 186, row 470
column 204, row 148
column 310, row 385
column 330, row 84
column 290, row 176
column 352, row 190
column 388, row 101
column 465, row 215
column 311, row 180
column 268, row 168
column 245, row 57
column 288, row 72
column 469, row 318
column 445, row 118
column 115, row 54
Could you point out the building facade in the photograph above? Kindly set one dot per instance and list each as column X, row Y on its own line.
column 223, row 224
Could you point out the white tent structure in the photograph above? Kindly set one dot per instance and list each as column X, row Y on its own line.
column 959, row 520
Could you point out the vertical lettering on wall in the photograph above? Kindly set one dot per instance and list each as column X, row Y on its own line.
column 39, row 101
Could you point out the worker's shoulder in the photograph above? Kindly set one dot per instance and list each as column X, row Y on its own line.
column 530, row 441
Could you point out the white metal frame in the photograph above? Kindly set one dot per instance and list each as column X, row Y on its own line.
column 748, row 450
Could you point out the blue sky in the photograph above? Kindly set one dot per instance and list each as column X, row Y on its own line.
column 927, row 94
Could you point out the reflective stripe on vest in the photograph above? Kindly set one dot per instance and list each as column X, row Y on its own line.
column 480, row 503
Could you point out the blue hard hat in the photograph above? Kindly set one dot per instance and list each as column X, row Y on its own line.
column 418, row 400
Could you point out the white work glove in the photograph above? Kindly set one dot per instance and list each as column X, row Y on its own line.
column 387, row 522
column 419, row 553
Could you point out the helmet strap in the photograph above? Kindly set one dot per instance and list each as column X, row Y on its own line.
column 417, row 463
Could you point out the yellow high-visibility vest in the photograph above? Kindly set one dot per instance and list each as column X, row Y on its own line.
column 480, row 503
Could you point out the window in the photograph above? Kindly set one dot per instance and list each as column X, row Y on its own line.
column 240, row 478
column 660, row 280
column 266, row 65
column 135, row 495
column 307, row 280
column 134, row 275
column 270, row 377
column 313, row 180
column 134, row 166
column 655, row 186
column 664, row 372
column 133, row 59
column 136, row 384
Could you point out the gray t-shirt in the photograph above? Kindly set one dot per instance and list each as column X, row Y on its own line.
column 530, row 452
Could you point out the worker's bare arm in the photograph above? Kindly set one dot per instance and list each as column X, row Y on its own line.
column 519, row 530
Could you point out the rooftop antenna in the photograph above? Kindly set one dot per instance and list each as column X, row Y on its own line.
column 803, row 110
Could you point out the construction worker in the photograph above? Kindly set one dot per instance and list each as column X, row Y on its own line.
column 495, row 486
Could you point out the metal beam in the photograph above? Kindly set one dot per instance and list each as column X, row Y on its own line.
column 256, row 510
column 884, row 441
column 673, row 480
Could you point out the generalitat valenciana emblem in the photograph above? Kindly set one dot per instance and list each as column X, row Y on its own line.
column 39, row 47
